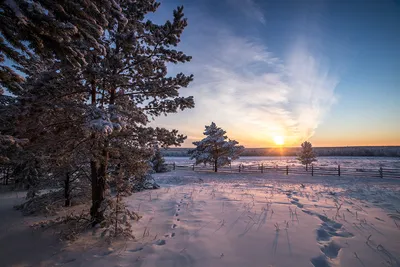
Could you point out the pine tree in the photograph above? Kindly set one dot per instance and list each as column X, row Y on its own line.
column 40, row 30
column 34, row 37
column 93, row 94
column 215, row 148
column 306, row 155
column 129, row 85
column 158, row 161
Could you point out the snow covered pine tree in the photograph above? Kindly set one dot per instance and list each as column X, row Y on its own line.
column 129, row 85
column 99, row 75
column 215, row 148
column 158, row 161
column 41, row 37
column 306, row 155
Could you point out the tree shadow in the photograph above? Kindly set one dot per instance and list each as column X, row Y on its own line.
column 275, row 242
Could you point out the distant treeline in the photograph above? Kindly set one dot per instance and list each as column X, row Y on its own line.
column 356, row 151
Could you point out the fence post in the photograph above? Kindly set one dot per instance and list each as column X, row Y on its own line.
column 240, row 167
column 287, row 170
column 173, row 166
column 338, row 169
column 262, row 167
column 193, row 167
column 312, row 170
column 381, row 172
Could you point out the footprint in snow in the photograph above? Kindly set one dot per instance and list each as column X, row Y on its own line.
column 169, row 235
column 331, row 250
column 160, row 242
column 135, row 250
column 106, row 253
column 320, row 261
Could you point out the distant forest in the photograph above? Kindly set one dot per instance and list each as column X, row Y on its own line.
column 357, row 151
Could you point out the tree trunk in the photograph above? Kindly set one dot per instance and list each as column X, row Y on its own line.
column 98, row 172
column 98, row 190
column 67, row 195
column 215, row 165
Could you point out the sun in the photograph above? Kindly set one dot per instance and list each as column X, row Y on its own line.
column 279, row 140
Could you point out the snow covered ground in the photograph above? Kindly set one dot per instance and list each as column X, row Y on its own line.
column 345, row 162
column 207, row 219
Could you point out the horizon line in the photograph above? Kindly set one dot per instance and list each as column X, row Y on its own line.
column 300, row 146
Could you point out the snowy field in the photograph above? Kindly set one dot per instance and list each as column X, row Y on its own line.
column 346, row 162
column 207, row 219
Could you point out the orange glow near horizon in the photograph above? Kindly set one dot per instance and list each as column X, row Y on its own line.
column 323, row 138
column 279, row 140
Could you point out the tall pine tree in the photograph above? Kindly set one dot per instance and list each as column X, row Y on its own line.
column 98, row 98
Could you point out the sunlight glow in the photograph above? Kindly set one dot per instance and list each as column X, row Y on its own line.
column 279, row 140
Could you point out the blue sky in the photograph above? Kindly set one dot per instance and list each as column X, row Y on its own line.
column 324, row 71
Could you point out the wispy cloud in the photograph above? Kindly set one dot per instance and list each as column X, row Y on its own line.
column 250, row 8
column 250, row 92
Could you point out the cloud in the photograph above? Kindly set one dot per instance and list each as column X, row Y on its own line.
column 251, row 93
column 250, row 8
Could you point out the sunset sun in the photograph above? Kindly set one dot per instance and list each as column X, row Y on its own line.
column 279, row 140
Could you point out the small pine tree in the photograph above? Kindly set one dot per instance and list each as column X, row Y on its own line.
column 306, row 155
column 215, row 149
column 158, row 161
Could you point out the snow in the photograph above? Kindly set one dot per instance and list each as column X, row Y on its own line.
column 208, row 219
column 346, row 162
column 106, row 123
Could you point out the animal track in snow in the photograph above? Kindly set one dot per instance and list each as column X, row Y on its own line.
column 320, row 261
column 329, row 248
column 135, row 250
column 160, row 242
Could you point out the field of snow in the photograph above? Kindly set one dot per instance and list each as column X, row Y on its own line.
column 346, row 162
column 208, row 219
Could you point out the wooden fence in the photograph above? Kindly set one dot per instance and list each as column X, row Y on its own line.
column 298, row 170
column 6, row 172
column 5, row 175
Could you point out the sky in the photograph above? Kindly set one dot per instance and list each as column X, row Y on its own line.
column 323, row 71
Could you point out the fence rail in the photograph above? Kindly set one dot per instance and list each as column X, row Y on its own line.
column 5, row 175
column 297, row 170
column 6, row 172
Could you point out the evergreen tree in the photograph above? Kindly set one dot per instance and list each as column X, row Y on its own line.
column 130, row 85
column 36, row 36
column 306, row 155
column 158, row 161
column 215, row 148
column 48, row 29
column 93, row 89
